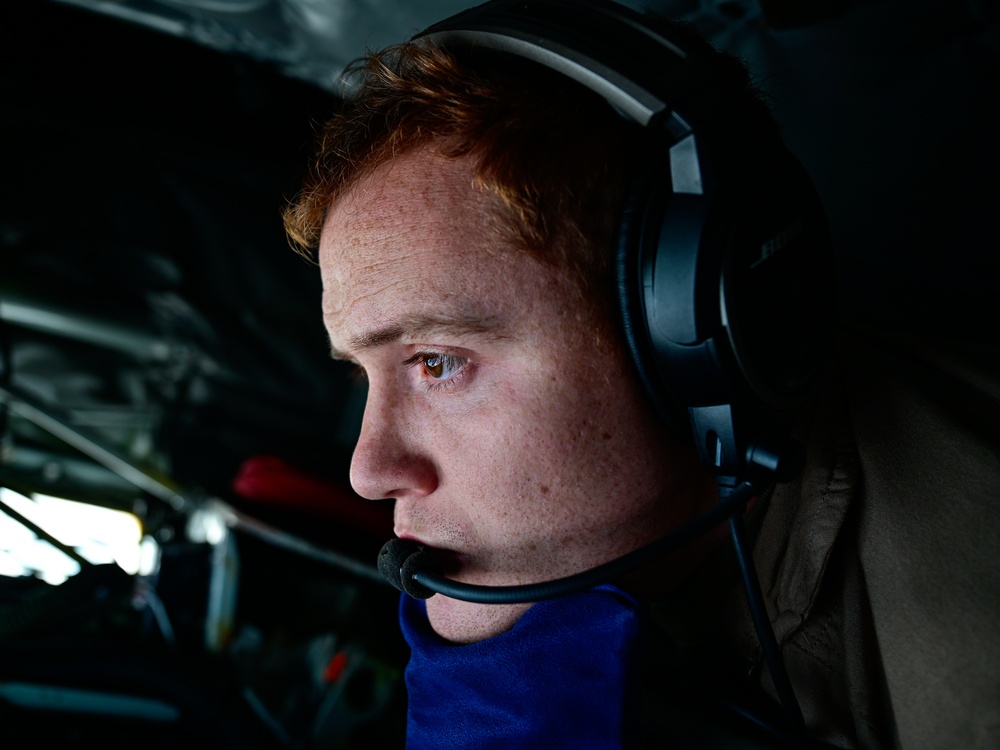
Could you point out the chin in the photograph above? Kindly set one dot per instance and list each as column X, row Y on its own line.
column 465, row 622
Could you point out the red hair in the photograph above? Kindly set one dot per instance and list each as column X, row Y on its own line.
column 555, row 154
column 548, row 149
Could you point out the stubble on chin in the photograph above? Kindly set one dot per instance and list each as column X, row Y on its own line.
column 465, row 622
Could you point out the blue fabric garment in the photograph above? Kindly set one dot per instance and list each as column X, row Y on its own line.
column 564, row 677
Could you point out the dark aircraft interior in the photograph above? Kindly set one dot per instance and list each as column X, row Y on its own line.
column 163, row 359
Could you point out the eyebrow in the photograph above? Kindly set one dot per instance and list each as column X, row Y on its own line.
column 421, row 327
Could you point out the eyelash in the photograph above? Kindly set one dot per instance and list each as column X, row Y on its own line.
column 459, row 364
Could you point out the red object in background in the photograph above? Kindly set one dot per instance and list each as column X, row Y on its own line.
column 335, row 668
column 271, row 480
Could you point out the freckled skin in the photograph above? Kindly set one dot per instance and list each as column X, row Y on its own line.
column 540, row 457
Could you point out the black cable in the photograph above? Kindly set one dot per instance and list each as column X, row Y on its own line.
column 762, row 624
column 727, row 507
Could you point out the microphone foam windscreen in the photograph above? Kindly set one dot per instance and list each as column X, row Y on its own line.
column 399, row 559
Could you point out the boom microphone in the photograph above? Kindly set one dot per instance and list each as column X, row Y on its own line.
column 399, row 559
column 411, row 567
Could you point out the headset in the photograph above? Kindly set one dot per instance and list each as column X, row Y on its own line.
column 723, row 252
column 724, row 268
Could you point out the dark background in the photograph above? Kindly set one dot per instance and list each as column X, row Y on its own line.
column 150, row 304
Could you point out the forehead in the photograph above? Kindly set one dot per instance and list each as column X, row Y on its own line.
column 404, row 187
column 418, row 236
column 408, row 202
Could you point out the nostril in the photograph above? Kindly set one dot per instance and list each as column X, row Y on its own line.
column 382, row 469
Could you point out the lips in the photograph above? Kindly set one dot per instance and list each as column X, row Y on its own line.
column 448, row 561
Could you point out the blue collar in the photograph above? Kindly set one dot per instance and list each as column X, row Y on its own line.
column 565, row 676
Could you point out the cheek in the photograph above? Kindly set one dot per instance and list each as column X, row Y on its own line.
column 596, row 448
column 547, row 454
column 499, row 465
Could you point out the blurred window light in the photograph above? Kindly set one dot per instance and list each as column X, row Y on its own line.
column 100, row 535
column 207, row 526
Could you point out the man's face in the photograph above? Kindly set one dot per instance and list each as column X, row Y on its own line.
column 502, row 416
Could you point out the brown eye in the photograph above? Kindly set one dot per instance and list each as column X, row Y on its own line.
column 442, row 366
column 434, row 365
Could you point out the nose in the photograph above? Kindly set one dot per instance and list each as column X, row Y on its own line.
column 390, row 459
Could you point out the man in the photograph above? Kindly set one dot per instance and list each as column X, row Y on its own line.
column 465, row 211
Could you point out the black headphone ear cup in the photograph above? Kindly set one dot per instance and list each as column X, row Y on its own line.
column 778, row 285
column 726, row 299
